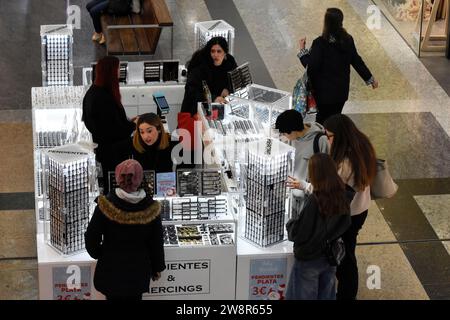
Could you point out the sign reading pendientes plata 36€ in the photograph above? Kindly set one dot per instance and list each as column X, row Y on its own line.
column 183, row 277
column 71, row 282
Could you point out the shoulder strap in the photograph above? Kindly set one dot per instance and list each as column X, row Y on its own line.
column 316, row 142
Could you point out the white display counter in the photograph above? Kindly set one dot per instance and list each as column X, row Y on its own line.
column 238, row 271
column 193, row 273
column 65, row 277
column 197, row 273
column 262, row 273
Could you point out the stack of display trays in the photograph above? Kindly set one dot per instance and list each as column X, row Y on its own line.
column 194, row 208
column 200, row 209
column 199, row 182
column 240, row 129
column 267, row 172
column 196, row 221
column 199, row 235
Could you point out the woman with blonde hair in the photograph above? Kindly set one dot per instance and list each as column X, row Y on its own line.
column 152, row 147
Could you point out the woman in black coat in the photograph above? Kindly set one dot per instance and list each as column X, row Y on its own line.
column 125, row 234
column 151, row 144
column 105, row 118
column 328, row 62
column 211, row 64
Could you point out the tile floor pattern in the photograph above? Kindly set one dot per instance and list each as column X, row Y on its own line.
column 397, row 278
column 19, row 280
column 407, row 118
column 437, row 210
column 16, row 150
column 289, row 20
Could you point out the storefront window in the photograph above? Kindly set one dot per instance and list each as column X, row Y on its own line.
column 421, row 23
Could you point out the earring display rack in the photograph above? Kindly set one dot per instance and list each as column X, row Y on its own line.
column 206, row 30
column 56, row 47
column 199, row 182
column 268, row 168
column 199, row 235
column 197, row 221
column 195, row 208
column 68, row 174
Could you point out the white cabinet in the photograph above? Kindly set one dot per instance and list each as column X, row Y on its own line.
column 139, row 100
column 129, row 96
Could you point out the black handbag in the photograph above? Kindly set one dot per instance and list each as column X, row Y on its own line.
column 335, row 251
column 119, row 7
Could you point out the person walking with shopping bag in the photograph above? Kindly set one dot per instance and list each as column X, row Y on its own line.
column 328, row 64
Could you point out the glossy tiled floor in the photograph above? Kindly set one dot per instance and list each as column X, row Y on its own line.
column 407, row 118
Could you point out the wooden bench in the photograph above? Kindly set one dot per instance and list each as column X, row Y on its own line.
column 137, row 34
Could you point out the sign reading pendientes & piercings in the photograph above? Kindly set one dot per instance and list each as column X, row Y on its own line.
column 183, row 277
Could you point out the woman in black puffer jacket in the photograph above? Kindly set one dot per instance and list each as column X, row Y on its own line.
column 125, row 234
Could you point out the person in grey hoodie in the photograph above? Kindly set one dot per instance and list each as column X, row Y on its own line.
column 304, row 137
column 324, row 217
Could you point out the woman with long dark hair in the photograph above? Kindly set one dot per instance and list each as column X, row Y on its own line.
column 324, row 217
column 328, row 65
column 105, row 118
column 211, row 64
column 356, row 160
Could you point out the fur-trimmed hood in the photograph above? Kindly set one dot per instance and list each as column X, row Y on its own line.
column 116, row 213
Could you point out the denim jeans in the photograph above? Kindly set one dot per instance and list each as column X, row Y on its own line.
column 96, row 8
column 312, row 280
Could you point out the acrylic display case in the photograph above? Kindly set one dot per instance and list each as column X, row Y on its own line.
column 260, row 104
column 206, row 30
column 69, row 177
column 226, row 140
column 56, row 59
column 244, row 120
column 198, row 221
column 56, row 120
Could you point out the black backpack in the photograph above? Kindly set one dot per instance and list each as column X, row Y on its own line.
column 119, row 7
column 316, row 147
